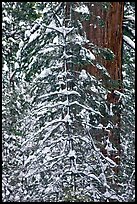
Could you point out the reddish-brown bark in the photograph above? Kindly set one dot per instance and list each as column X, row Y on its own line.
column 109, row 36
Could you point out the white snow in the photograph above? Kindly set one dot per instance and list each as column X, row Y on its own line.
column 34, row 36
column 17, row 198
column 73, row 169
column 124, row 74
column 130, row 17
column 63, row 30
column 82, row 9
column 45, row 50
column 5, row 18
column 21, row 44
column 98, row 17
column 100, row 126
column 4, row 43
column 67, row 118
column 86, row 107
column 5, row 67
column 72, row 153
column 67, row 92
column 104, row 167
column 12, row 39
column 30, row 158
column 93, row 176
column 83, row 75
column 18, row 54
column 65, row 56
column 85, row 116
column 107, row 194
column 110, row 110
column 16, row 65
column 7, row 192
column 21, row 23
column 129, row 41
column 79, row 39
column 86, row 52
column 90, row 55
column 94, row 89
column 27, row 34
column 62, row 92
column 50, row 26
column 110, row 161
column 60, row 20
column 109, row 147
column 33, row 29
column 46, row 9
column 45, row 73
column 56, row 40
column 34, row 58
column 46, row 150
column 49, row 189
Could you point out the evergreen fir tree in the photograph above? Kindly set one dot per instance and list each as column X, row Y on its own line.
column 54, row 135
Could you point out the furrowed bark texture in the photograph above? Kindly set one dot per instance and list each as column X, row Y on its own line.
column 109, row 36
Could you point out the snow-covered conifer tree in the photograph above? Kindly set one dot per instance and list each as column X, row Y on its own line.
column 63, row 129
column 62, row 154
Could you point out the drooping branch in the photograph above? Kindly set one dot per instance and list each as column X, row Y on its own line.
column 129, row 41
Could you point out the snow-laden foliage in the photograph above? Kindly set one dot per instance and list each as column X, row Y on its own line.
column 127, row 177
column 129, row 24
column 56, row 121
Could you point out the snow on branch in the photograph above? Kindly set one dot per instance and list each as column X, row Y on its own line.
column 129, row 41
column 62, row 92
column 64, row 103
column 63, row 30
column 82, row 9
column 111, row 162
column 58, row 121
column 130, row 18
column 42, row 129
column 86, row 107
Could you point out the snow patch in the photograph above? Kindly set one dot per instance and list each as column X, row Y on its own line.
column 34, row 36
column 83, row 75
column 46, row 150
column 45, row 50
column 21, row 44
column 82, row 9
column 72, row 153
column 27, row 34
column 67, row 118
column 90, row 55
column 63, row 30
column 45, row 73
column 110, row 110
column 5, row 67
column 56, row 40
column 129, row 41
column 5, row 18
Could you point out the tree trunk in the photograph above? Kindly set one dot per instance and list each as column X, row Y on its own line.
column 108, row 36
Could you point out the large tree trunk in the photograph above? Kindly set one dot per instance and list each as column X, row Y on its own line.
column 109, row 36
